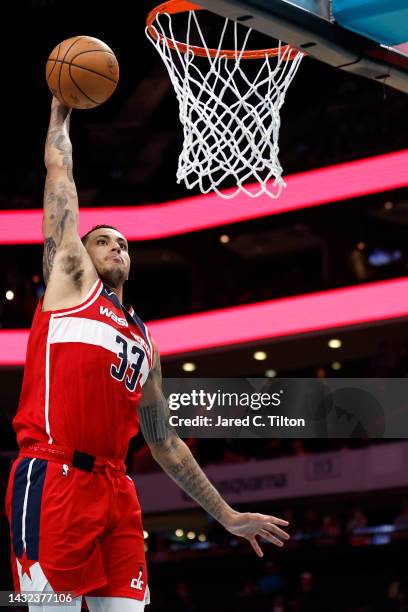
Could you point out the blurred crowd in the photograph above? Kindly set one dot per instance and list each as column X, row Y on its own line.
column 354, row 122
column 311, row 527
column 337, row 560
column 209, row 451
column 273, row 591
column 330, row 564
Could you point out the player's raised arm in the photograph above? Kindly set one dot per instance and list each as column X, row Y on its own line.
column 60, row 221
column 65, row 260
column 174, row 456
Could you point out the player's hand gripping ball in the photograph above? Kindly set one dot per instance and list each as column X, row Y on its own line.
column 82, row 72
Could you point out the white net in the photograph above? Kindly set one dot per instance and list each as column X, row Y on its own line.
column 230, row 113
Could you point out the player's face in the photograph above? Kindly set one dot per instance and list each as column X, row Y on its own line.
column 108, row 250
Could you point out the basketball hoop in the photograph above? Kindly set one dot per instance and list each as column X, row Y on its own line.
column 230, row 114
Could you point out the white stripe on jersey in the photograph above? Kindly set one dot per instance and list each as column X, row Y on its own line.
column 90, row 331
column 85, row 304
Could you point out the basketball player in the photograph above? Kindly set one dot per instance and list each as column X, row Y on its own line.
column 92, row 376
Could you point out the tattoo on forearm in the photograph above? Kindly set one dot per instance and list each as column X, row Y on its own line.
column 62, row 113
column 61, row 142
column 190, row 477
column 58, row 146
column 168, row 449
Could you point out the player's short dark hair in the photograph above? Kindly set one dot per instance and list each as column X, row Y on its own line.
column 96, row 227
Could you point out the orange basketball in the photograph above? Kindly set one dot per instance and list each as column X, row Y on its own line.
column 82, row 72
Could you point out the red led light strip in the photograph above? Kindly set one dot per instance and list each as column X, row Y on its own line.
column 261, row 321
column 149, row 222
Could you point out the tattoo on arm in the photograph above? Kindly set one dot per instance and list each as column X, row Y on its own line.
column 48, row 257
column 58, row 148
column 176, row 459
column 60, row 195
column 154, row 422
column 154, row 411
column 61, row 142
column 190, row 477
column 170, row 452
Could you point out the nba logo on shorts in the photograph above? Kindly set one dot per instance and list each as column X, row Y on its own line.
column 65, row 469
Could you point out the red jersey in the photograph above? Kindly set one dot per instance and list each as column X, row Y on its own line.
column 83, row 378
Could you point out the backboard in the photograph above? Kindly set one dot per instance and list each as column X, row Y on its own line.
column 329, row 31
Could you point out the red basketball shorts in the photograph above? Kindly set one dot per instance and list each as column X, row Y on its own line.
column 80, row 531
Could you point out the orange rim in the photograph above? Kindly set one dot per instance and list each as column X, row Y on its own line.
column 172, row 7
